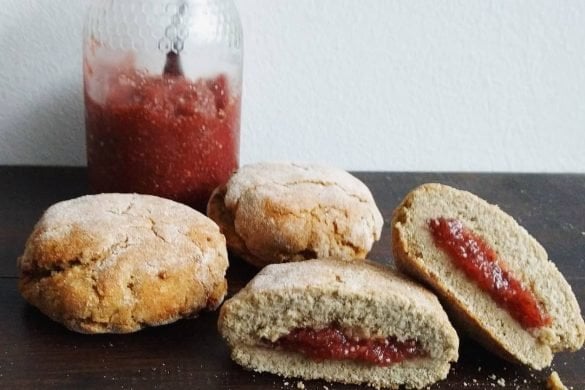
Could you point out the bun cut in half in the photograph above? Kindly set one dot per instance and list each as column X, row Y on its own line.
column 492, row 276
column 350, row 322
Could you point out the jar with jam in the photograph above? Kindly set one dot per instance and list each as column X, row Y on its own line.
column 163, row 83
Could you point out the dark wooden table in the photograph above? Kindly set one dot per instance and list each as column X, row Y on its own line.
column 38, row 353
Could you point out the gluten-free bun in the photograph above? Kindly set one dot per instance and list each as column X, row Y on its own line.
column 281, row 212
column 472, row 308
column 115, row 263
column 353, row 295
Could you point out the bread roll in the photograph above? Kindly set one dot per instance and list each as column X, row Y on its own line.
column 274, row 324
column 116, row 263
column 504, row 325
column 282, row 212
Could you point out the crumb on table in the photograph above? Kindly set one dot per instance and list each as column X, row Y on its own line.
column 554, row 382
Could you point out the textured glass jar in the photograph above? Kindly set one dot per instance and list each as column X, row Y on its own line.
column 162, row 86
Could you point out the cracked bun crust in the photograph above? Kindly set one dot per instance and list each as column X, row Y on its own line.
column 115, row 263
column 283, row 212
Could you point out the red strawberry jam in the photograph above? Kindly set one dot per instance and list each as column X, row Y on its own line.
column 168, row 136
column 332, row 344
column 480, row 262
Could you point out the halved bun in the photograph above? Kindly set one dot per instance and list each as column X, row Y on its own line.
column 363, row 297
column 416, row 253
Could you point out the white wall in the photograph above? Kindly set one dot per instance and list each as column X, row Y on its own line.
column 363, row 84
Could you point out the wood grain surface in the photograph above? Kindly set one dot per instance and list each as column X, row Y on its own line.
column 38, row 353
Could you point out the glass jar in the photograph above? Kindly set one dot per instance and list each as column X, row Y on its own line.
column 163, row 83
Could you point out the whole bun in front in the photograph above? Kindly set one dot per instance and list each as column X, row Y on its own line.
column 115, row 263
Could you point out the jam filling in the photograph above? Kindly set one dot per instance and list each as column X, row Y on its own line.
column 480, row 262
column 332, row 343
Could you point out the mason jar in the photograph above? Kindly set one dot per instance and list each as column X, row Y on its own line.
column 163, row 87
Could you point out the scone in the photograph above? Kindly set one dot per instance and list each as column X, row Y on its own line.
column 343, row 321
column 493, row 277
column 281, row 212
column 119, row 262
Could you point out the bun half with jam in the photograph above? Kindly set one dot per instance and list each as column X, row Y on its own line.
column 495, row 280
column 343, row 321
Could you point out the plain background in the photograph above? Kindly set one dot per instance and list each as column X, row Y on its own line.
column 362, row 84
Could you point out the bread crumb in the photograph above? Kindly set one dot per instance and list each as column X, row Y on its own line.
column 501, row 382
column 300, row 385
column 554, row 382
column 492, row 377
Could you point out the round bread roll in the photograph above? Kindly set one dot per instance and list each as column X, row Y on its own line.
column 339, row 321
column 283, row 212
column 115, row 263
column 471, row 305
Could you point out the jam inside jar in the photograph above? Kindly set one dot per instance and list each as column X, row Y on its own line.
column 162, row 85
column 165, row 136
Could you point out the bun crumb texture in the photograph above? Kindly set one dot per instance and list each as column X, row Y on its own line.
column 365, row 298
column 472, row 309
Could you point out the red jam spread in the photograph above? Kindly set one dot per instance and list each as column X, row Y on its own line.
column 166, row 136
column 331, row 343
column 480, row 263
